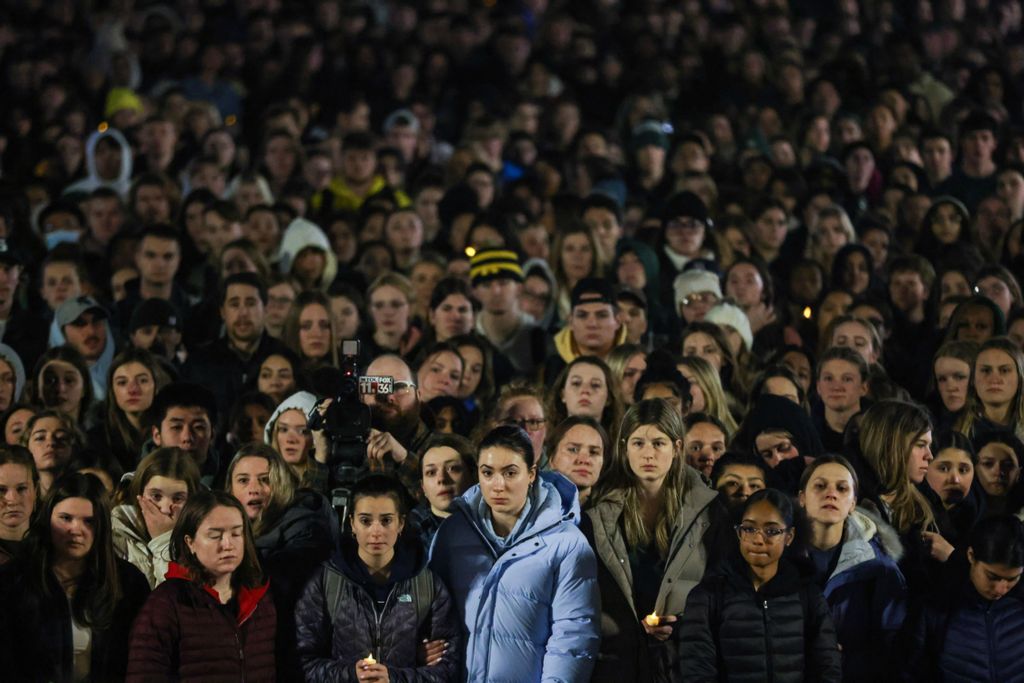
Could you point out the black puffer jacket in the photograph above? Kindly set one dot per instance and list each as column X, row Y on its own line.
column 306, row 534
column 783, row 632
column 373, row 618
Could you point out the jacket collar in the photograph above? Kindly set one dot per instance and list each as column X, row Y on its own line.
column 248, row 598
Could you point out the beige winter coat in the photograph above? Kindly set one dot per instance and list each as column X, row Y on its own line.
column 627, row 653
column 132, row 543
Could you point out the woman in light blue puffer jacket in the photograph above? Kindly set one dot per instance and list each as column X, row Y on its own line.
column 521, row 573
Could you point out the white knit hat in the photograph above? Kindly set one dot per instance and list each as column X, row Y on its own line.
column 725, row 313
column 692, row 281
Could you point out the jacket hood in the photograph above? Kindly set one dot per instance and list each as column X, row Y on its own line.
column 300, row 234
column 410, row 559
column 248, row 598
column 98, row 370
column 867, row 540
column 300, row 400
column 128, row 520
column 554, row 499
column 775, row 413
column 92, row 181
column 303, row 524
column 569, row 350
column 648, row 259
column 538, row 266
column 11, row 356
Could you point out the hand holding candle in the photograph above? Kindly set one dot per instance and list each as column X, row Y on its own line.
column 652, row 619
column 369, row 660
column 659, row 628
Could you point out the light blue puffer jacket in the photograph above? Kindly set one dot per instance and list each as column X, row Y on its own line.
column 531, row 610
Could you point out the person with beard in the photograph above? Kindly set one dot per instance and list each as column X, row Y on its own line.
column 227, row 364
column 83, row 324
column 397, row 434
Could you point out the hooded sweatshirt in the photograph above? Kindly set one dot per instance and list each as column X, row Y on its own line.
column 11, row 356
column 98, row 370
column 122, row 184
column 301, row 234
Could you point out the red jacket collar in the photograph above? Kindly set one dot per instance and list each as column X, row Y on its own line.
column 248, row 598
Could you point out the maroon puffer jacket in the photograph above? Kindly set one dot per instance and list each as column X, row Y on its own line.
column 183, row 633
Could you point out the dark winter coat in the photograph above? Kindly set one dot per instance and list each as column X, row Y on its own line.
column 967, row 639
column 184, row 633
column 306, row 534
column 332, row 639
column 781, row 633
column 35, row 629
column 867, row 595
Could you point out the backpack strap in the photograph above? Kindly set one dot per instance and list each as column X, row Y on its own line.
column 334, row 583
column 423, row 596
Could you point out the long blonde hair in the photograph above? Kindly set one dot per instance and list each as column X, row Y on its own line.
column 710, row 383
column 659, row 414
column 283, row 483
column 888, row 431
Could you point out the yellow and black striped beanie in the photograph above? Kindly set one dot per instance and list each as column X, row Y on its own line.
column 488, row 264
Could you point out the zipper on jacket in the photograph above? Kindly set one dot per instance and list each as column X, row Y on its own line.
column 241, row 655
column 378, row 618
column 989, row 628
column 767, row 643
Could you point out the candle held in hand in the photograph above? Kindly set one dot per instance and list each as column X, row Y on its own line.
column 652, row 619
column 370, row 660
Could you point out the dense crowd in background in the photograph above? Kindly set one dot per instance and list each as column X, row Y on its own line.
column 699, row 327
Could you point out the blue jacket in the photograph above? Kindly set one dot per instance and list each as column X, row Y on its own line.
column 968, row 639
column 530, row 609
column 867, row 595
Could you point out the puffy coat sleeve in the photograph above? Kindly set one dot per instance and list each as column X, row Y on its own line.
column 571, row 650
column 314, row 636
column 823, row 659
column 698, row 650
column 156, row 634
column 444, row 625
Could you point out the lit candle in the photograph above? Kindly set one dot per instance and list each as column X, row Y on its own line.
column 652, row 619
column 370, row 660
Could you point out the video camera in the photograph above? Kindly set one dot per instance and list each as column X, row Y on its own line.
column 346, row 424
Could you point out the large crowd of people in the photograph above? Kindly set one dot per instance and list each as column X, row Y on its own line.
column 693, row 334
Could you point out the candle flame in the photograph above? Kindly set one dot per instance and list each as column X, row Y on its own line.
column 807, row 312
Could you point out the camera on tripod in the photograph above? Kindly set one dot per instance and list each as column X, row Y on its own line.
column 346, row 424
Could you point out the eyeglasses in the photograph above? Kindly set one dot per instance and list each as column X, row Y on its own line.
column 403, row 388
column 701, row 298
column 769, row 533
column 531, row 425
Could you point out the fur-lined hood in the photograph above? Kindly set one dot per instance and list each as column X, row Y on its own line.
column 867, row 538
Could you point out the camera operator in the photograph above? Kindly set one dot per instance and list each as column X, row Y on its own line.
column 398, row 434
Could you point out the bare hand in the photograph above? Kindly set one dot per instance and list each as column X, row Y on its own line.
column 382, row 443
column 372, row 673
column 157, row 522
column 938, row 547
column 663, row 631
column 430, row 652
column 760, row 316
